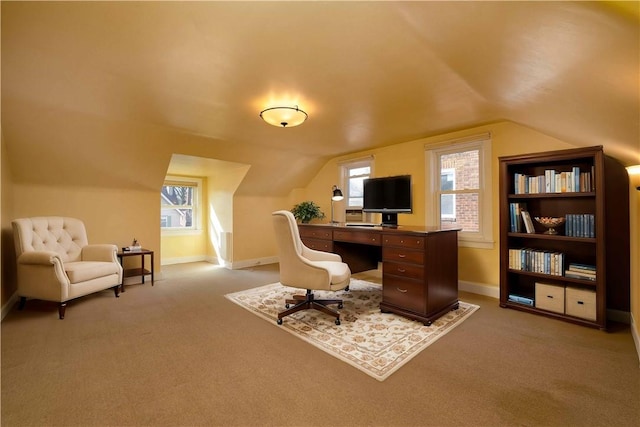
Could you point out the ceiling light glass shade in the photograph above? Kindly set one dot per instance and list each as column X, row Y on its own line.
column 284, row 116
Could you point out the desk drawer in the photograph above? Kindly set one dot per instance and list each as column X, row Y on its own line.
column 412, row 271
column 404, row 241
column 352, row 236
column 315, row 232
column 404, row 293
column 318, row 244
column 402, row 255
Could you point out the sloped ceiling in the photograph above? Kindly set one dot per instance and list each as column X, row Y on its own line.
column 99, row 90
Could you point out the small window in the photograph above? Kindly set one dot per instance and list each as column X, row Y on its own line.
column 354, row 174
column 179, row 204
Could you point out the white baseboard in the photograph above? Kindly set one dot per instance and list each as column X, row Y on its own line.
column 9, row 305
column 253, row 262
column 183, row 260
column 619, row 316
column 479, row 289
column 635, row 335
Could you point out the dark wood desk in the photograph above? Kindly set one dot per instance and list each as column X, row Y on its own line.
column 419, row 264
column 131, row 272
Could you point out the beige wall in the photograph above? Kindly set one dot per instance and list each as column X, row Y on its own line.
column 117, row 215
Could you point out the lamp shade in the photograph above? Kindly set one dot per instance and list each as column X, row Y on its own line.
column 337, row 194
column 284, row 116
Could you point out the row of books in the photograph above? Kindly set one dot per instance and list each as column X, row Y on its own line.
column 515, row 215
column 581, row 271
column 554, row 182
column 580, row 225
column 537, row 261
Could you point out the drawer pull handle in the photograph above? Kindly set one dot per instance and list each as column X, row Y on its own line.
column 580, row 302
column 401, row 270
column 550, row 296
column 401, row 255
column 404, row 291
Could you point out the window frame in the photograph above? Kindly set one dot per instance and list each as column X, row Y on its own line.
column 347, row 166
column 483, row 238
column 196, row 207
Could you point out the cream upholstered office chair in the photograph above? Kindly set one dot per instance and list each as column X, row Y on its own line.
column 56, row 263
column 305, row 268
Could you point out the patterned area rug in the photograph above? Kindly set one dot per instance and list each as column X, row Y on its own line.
column 374, row 342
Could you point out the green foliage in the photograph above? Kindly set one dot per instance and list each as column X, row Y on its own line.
column 306, row 211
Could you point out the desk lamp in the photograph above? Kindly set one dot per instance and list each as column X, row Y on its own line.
column 336, row 197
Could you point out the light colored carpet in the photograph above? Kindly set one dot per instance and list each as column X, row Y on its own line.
column 376, row 343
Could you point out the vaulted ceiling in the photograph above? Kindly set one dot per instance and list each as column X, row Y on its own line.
column 93, row 88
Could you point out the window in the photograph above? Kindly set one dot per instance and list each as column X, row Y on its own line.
column 460, row 189
column 179, row 204
column 354, row 173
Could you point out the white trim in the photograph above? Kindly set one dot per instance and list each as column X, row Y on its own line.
column 619, row 316
column 479, row 289
column 13, row 299
column 253, row 262
column 635, row 335
column 463, row 140
column 182, row 260
column 370, row 157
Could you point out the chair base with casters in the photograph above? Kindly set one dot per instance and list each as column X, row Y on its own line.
column 308, row 301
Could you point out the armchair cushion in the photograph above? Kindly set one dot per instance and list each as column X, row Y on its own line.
column 86, row 270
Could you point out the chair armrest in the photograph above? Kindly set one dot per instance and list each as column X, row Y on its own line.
column 100, row 252
column 314, row 255
column 39, row 258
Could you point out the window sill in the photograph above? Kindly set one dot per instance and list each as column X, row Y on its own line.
column 479, row 244
column 180, row 232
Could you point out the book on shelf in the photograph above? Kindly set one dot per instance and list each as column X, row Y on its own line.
column 580, row 225
column 581, row 267
column 515, row 215
column 579, row 275
column 553, row 181
column 536, row 261
column 528, row 224
column 521, row 300
column 581, row 271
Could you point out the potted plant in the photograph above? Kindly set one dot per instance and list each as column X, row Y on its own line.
column 306, row 211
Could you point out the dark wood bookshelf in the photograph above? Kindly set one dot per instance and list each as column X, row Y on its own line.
column 607, row 201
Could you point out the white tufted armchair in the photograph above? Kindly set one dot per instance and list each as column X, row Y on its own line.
column 56, row 263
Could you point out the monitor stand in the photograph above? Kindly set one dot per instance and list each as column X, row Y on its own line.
column 389, row 219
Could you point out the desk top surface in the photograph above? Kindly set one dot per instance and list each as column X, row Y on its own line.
column 383, row 229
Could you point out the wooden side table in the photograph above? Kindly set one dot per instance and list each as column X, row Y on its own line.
column 131, row 272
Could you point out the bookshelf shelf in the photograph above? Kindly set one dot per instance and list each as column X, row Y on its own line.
column 552, row 195
column 592, row 243
column 552, row 237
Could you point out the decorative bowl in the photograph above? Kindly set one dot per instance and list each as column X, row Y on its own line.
column 550, row 223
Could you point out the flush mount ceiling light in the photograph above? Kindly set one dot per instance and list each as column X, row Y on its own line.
column 284, row 116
